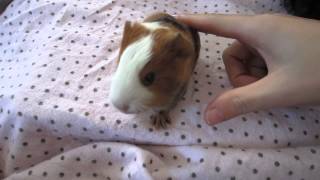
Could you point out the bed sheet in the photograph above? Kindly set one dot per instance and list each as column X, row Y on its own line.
column 57, row 59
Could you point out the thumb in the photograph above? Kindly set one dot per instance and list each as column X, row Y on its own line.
column 259, row 95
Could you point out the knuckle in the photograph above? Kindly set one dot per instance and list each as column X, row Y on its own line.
column 266, row 21
column 239, row 104
column 260, row 27
column 267, row 18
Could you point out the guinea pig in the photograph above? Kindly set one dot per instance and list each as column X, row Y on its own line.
column 156, row 60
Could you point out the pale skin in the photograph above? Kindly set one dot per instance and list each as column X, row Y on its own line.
column 274, row 62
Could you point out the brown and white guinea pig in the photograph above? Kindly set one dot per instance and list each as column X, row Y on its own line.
column 156, row 60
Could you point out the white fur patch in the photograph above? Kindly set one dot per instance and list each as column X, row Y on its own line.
column 152, row 26
column 126, row 88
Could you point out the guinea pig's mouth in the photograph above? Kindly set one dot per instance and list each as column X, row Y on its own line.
column 130, row 111
column 127, row 109
column 135, row 111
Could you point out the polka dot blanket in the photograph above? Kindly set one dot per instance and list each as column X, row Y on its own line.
column 57, row 58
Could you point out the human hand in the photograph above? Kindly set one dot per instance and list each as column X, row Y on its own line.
column 274, row 62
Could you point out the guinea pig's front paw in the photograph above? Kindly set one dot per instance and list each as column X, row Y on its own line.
column 161, row 119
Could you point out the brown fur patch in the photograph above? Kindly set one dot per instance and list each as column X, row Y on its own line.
column 172, row 62
column 132, row 32
column 155, row 17
column 189, row 32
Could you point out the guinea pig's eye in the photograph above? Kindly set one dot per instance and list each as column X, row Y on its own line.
column 149, row 79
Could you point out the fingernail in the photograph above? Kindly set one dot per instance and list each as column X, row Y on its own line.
column 213, row 116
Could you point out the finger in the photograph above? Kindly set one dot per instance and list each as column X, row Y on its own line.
column 257, row 67
column 232, row 26
column 234, row 58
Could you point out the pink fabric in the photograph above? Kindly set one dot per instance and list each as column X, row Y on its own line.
column 56, row 122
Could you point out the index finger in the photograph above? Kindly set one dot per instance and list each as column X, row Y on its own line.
column 232, row 26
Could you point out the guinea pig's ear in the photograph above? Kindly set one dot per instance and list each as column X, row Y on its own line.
column 125, row 37
column 127, row 27
column 126, row 31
